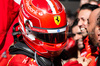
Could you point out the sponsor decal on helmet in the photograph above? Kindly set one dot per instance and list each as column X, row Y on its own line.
column 57, row 19
column 58, row 30
column 58, row 45
column 37, row 12
column 24, row 11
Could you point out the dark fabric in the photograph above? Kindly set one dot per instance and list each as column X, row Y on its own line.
column 22, row 48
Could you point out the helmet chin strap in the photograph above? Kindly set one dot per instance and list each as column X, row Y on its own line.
column 36, row 58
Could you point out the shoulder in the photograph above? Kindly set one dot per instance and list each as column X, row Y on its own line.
column 21, row 60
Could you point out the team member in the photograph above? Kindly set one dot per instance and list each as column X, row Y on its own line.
column 82, row 51
column 75, row 53
column 94, row 29
column 83, row 18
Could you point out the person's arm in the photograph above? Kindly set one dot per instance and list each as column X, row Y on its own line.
column 8, row 12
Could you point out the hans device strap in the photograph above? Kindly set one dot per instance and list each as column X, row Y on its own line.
column 22, row 48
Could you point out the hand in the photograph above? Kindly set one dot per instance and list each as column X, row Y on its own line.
column 84, row 61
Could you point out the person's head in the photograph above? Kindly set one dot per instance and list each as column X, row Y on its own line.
column 93, row 2
column 77, row 35
column 43, row 26
column 83, row 16
column 82, row 2
column 70, row 17
column 94, row 27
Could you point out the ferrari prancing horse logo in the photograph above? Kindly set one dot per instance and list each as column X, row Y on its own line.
column 57, row 19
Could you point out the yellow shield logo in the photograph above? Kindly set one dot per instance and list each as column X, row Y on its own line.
column 57, row 19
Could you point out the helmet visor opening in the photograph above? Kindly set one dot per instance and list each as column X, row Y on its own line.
column 51, row 37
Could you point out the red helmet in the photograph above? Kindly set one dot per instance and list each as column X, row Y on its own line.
column 43, row 26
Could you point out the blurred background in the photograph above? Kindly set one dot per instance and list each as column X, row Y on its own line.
column 73, row 5
column 72, row 8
